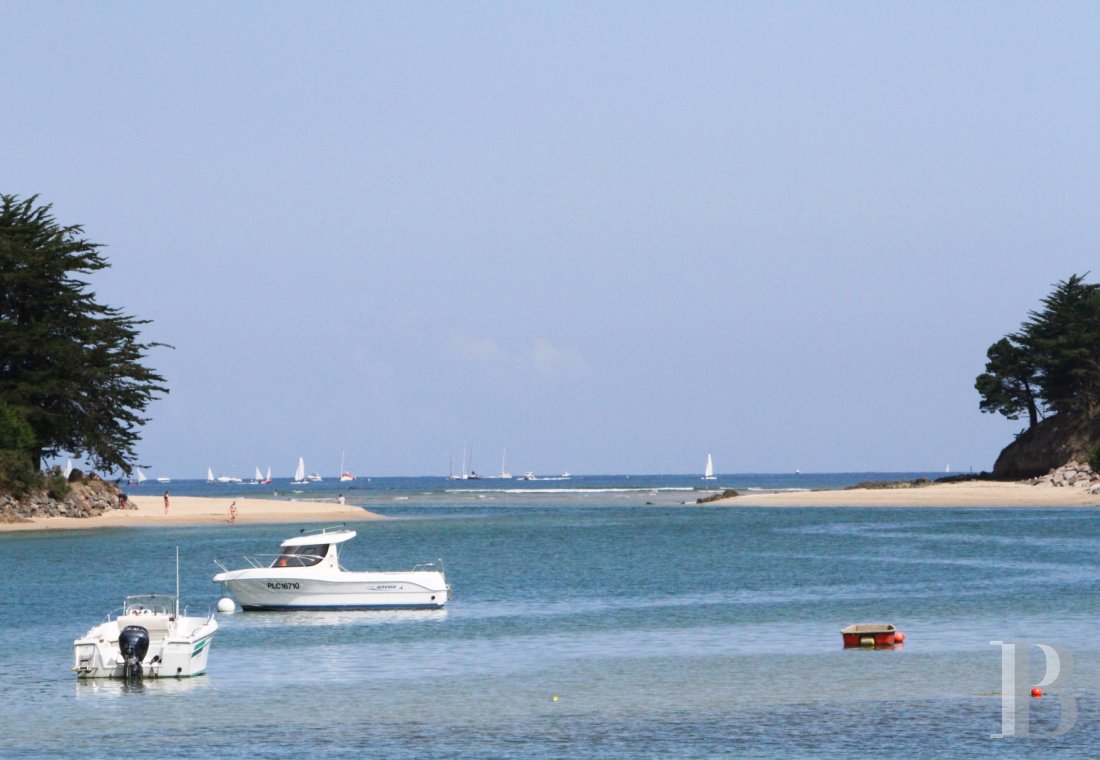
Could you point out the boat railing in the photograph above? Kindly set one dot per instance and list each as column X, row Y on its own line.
column 429, row 567
column 319, row 531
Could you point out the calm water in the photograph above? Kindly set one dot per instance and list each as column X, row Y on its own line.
column 663, row 629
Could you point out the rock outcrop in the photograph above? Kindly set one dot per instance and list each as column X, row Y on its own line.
column 87, row 499
column 1048, row 446
column 1072, row 475
column 729, row 493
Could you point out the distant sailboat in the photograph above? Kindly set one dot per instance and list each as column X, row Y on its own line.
column 345, row 476
column 257, row 478
column 300, row 473
column 465, row 475
column 267, row 478
column 708, row 473
column 67, row 470
column 140, row 476
column 504, row 474
column 472, row 475
column 209, row 474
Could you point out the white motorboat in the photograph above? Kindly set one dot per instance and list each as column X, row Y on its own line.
column 149, row 638
column 306, row 574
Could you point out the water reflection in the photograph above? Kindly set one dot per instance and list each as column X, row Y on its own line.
column 107, row 688
column 308, row 618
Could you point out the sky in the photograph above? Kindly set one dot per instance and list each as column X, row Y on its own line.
column 603, row 237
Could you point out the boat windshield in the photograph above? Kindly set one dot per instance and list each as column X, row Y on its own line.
column 159, row 604
column 301, row 556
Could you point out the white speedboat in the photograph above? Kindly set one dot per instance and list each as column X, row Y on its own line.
column 307, row 574
column 148, row 639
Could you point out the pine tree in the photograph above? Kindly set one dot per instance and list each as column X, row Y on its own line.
column 1063, row 341
column 1053, row 362
column 70, row 367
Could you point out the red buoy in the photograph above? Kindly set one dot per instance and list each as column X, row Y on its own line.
column 1036, row 692
column 899, row 637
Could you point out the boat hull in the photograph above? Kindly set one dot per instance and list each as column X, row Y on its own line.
column 96, row 655
column 869, row 635
column 276, row 589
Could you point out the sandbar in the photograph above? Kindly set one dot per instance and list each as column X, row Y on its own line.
column 201, row 510
column 974, row 493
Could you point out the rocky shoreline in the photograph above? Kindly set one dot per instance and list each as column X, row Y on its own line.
column 89, row 498
column 1071, row 475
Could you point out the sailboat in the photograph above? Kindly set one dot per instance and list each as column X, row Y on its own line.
column 267, row 478
column 68, row 469
column 465, row 475
column 209, row 474
column 139, row 477
column 300, row 473
column 708, row 473
column 504, row 474
column 257, row 478
column 345, row 476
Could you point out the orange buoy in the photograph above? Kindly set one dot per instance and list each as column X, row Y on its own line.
column 899, row 637
column 1036, row 692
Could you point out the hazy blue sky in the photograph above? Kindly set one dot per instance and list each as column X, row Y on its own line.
column 609, row 237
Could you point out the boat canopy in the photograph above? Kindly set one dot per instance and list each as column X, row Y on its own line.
column 315, row 539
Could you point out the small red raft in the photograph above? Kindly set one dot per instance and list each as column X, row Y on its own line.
column 871, row 635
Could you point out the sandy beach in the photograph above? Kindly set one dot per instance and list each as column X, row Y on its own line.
column 194, row 510
column 977, row 493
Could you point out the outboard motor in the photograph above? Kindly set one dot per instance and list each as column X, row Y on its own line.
column 133, row 643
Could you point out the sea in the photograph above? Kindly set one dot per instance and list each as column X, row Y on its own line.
column 593, row 617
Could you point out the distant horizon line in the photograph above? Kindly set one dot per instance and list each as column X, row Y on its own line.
column 558, row 476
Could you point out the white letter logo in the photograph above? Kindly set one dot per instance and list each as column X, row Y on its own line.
column 1014, row 699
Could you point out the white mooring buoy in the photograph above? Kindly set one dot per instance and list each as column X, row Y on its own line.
column 227, row 605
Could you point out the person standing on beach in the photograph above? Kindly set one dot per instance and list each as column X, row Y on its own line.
column 340, row 498
column 166, row 502
column 233, row 511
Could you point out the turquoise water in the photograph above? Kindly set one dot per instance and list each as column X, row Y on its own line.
column 663, row 629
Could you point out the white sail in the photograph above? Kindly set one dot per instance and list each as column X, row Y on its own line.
column 268, row 478
column 708, row 473
column 68, row 469
column 140, row 476
column 209, row 474
column 300, row 472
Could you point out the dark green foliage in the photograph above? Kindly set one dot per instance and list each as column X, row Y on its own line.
column 1064, row 341
column 15, row 433
column 1010, row 382
column 70, row 367
column 1094, row 458
column 1053, row 363
column 17, row 473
